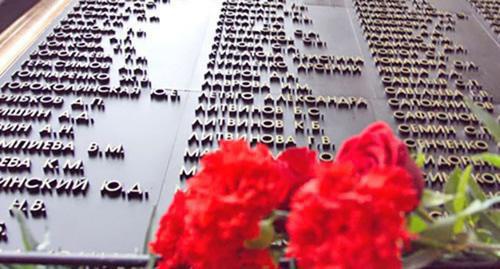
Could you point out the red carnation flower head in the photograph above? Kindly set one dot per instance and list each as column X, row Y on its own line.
column 378, row 146
column 235, row 189
column 390, row 184
column 336, row 179
column 299, row 166
column 333, row 224
column 169, row 235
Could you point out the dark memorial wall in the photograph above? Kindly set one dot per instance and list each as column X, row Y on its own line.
column 109, row 112
column 10, row 10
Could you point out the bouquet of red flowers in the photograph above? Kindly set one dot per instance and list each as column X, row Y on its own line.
column 249, row 209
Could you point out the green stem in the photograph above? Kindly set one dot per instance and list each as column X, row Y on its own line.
column 482, row 246
column 422, row 213
column 434, row 244
column 450, row 247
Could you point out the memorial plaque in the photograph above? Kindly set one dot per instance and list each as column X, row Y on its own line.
column 109, row 112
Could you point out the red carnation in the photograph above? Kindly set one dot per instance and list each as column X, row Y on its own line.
column 390, row 185
column 378, row 146
column 299, row 167
column 338, row 220
column 169, row 235
column 236, row 188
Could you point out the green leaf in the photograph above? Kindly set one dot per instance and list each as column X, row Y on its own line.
column 493, row 159
column 432, row 198
column 421, row 258
column 487, row 222
column 149, row 231
column 474, row 208
column 29, row 242
column 477, row 191
column 461, row 199
column 490, row 221
column 450, row 187
column 420, row 159
column 483, row 235
column 416, row 224
column 442, row 229
column 478, row 206
column 489, row 122
column 460, row 195
column 495, row 215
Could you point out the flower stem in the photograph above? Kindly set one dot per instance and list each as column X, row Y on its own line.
column 422, row 213
column 434, row 244
column 482, row 246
